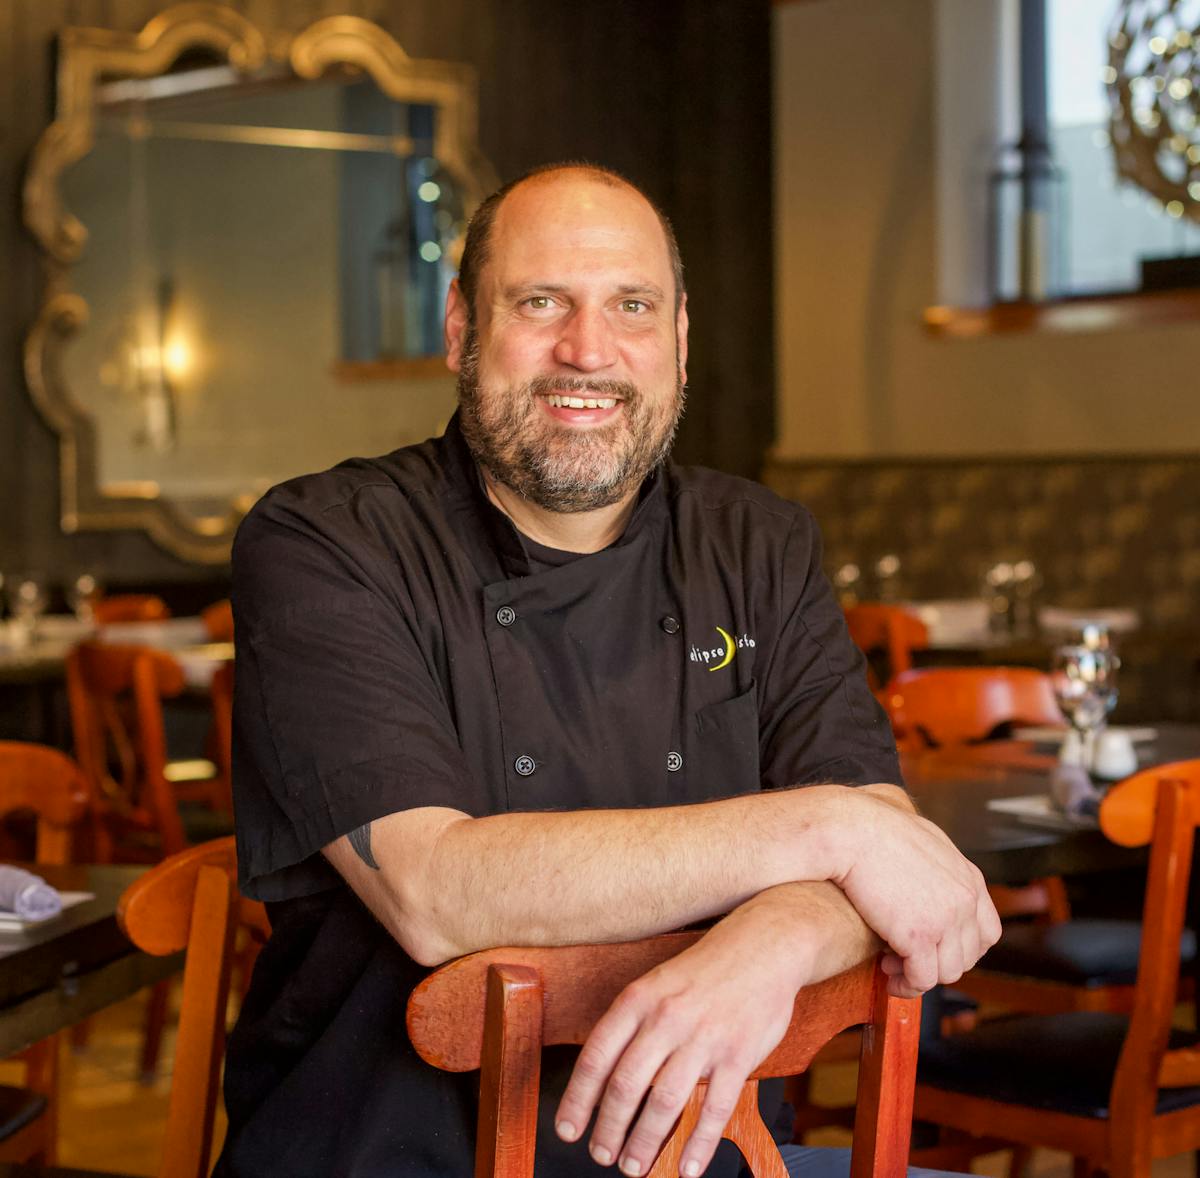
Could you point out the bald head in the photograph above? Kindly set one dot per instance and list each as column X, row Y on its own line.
column 478, row 246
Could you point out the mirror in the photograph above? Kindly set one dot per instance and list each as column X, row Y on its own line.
column 248, row 243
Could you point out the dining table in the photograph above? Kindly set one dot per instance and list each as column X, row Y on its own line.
column 958, row 790
column 33, row 667
column 55, row 972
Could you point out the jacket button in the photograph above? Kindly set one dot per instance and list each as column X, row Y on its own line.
column 674, row 762
column 524, row 765
column 506, row 615
column 670, row 625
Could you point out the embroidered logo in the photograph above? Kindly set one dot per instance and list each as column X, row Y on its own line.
column 721, row 656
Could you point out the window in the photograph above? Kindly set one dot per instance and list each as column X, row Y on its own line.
column 1111, row 224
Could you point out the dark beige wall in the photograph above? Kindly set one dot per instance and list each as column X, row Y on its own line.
column 857, row 232
column 675, row 93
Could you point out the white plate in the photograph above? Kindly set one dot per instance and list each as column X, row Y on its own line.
column 1048, row 735
column 1065, row 621
column 10, row 922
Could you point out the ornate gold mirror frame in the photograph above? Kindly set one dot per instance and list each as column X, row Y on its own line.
column 86, row 56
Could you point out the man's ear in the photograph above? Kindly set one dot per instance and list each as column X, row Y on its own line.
column 455, row 330
column 681, row 336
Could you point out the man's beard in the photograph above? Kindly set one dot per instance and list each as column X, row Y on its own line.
column 559, row 468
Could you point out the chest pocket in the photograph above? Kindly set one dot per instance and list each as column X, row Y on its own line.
column 722, row 757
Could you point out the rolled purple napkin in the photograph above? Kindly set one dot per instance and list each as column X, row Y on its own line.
column 1073, row 792
column 28, row 895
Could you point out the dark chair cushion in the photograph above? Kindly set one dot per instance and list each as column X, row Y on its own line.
column 1062, row 1062
column 956, row 1002
column 1078, row 952
column 18, row 1108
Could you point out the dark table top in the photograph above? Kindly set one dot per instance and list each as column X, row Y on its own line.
column 59, row 971
column 1007, row 850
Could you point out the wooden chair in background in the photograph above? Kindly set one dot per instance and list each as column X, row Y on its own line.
column 496, row 1010
column 1053, row 962
column 221, row 695
column 938, row 706
column 188, row 902
column 115, row 695
column 129, row 607
column 48, row 783
column 887, row 633
column 218, row 620
column 1113, row 1091
column 115, row 698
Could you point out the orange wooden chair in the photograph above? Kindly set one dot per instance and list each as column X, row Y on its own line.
column 937, row 706
column 1112, row 1090
column 221, row 695
column 129, row 607
column 47, row 782
column 218, row 620
column 497, row 1009
column 115, row 695
column 188, row 902
column 889, row 631
column 1054, row 963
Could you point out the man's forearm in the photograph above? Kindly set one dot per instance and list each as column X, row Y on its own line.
column 447, row 884
column 810, row 928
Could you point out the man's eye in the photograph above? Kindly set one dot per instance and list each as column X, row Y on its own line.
column 539, row 303
column 633, row 306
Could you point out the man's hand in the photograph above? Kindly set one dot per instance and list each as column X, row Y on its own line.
column 909, row 882
column 714, row 1012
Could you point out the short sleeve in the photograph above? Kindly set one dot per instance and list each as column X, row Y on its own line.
column 818, row 721
column 338, row 715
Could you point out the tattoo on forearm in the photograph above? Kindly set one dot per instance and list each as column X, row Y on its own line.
column 360, row 840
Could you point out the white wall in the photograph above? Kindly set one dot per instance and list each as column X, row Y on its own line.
column 859, row 255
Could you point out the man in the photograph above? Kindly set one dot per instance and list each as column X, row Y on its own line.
column 529, row 683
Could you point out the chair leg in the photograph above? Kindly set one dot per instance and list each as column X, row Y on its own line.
column 1018, row 1163
column 41, row 1075
column 80, row 1034
column 152, row 1033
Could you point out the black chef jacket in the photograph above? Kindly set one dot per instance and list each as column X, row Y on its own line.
column 400, row 646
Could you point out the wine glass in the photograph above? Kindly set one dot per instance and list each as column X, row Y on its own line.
column 27, row 599
column 1084, row 675
column 82, row 595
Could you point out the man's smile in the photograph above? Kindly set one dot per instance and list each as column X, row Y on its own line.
column 558, row 401
column 581, row 407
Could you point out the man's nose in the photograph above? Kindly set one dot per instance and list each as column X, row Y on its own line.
column 586, row 341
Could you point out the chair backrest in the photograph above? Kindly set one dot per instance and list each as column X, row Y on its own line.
column 34, row 777
column 1159, row 806
column 495, row 1011
column 221, row 694
column 887, row 628
column 115, row 695
column 129, row 607
column 937, row 706
column 218, row 620
column 190, row 901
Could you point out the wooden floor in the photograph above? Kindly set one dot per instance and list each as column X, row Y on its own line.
column 112, row 1122
column 109, row 1120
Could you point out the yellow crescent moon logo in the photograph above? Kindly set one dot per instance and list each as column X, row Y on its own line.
column 728, row 651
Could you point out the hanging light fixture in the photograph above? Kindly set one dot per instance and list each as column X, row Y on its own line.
column 1153, row 79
